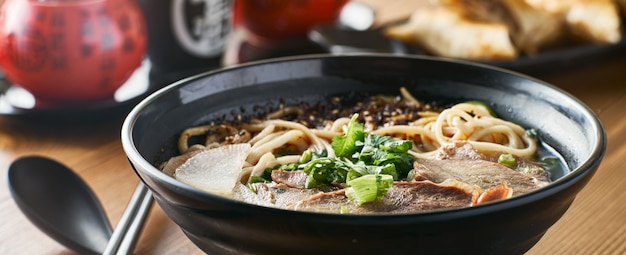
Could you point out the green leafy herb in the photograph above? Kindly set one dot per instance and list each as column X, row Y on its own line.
column 382, row 150
column 307, row 156
column 388, row 143
column 359, row 169
column 325, row 172
column 346, row 145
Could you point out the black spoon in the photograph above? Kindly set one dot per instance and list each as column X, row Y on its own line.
column 60, row 203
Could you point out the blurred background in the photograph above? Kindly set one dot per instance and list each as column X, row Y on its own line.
column 78, row 55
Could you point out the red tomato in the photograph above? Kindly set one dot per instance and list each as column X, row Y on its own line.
column 282, row 19
column 71, row 50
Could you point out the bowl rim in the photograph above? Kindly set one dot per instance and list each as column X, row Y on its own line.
column 585, row 168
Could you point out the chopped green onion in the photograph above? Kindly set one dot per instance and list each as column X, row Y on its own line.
column 479, row 103
column 343, row 210
column 306, row 156
column 287, row 167
column 532, row 133
column 252, row 188
column 550, row 162
column 256, row 179
column 368, row 188
column 507, row 159
column 547, row 163
column 530, row 170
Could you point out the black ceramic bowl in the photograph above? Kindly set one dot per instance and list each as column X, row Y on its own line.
column 222, row 226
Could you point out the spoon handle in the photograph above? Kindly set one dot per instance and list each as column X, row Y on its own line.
column 127, row 231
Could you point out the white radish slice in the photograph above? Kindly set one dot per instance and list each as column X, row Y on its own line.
column 216, row 170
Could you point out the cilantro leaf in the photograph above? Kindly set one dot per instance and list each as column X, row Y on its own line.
column 382, row 150
column 346, row 145
column 325, row 172
column 387, row 143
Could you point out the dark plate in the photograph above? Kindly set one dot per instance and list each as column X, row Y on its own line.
column 15, row 101
column 340, row 40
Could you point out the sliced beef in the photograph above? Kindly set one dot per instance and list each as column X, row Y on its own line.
column 459, row 150
column 294, row 179
column 402, row 197
column 274, row 194
column 326, row 202
column 459, row 160
column 485, row 174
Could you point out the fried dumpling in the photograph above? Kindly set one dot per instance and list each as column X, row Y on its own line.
column 595, row 21
column 502, row 29
column 532, row 24
column 557, row 7
column 482, row 10
column 536, row 27
column 449, row 33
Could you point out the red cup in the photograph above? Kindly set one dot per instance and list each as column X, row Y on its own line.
column 276, row 20
column 71, row 50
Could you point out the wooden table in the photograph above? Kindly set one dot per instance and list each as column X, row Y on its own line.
column 595, row 223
